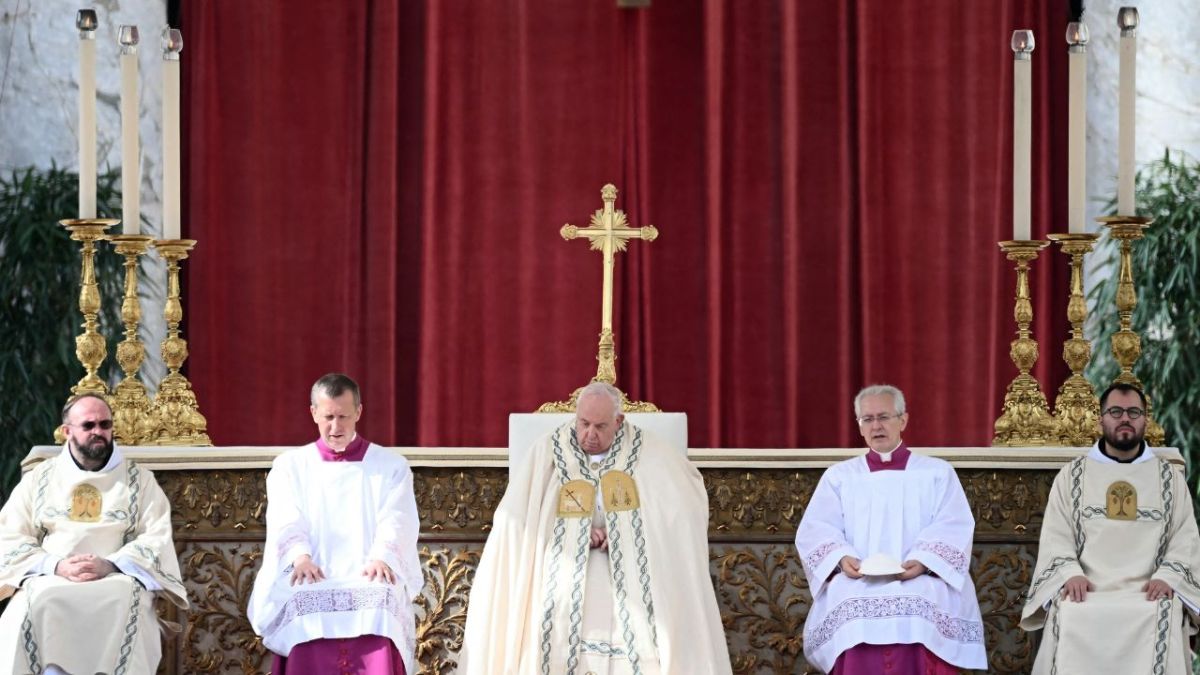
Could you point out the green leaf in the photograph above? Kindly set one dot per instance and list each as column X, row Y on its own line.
column 39, row 314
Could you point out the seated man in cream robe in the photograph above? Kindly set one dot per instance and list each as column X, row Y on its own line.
column 1115, row 585
column 886, row 545
column 598, row 558
column 340, row 567
column 85, row 543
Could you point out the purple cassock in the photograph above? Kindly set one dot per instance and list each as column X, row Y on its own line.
column 362, row 655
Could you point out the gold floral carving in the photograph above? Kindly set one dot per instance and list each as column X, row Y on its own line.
column 441, row 608
column 1002, row 574
column 764, row 599
column 760, row 502
column 459, row 501
column 216, row 501
column 1007, row 503
column 217, row 637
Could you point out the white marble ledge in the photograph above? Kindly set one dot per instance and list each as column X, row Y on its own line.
column 260, row 457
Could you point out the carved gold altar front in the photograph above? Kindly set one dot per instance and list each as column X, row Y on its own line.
column 756, row 499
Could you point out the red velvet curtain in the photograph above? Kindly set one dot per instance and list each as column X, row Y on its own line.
column 377, row 188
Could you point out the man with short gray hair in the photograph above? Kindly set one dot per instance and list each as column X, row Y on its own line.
column 886, row 545
column 598, row 558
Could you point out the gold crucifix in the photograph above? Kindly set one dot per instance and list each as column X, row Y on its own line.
column 609, row 233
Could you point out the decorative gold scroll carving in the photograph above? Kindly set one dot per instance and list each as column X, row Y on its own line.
column 224, row 502
column 1002, row 574
column 764, row 599
column 442, row 606
column 458, row 501
column 757, row 502
column 1007, row 503
column 218, row 637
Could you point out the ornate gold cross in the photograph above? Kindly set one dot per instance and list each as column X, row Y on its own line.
column 609, row 233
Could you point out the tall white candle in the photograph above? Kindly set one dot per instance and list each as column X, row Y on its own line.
column 1127, row 20
column 1022, row 46
column 131, row 206
column 1077, row 39
column 85, row 21
column 172, row 43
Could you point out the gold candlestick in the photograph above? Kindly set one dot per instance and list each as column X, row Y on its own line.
column 1026, row 419
column 175, row 417
column 89, row 345
column 1076, row 410
column 1126, row 344
column 131, row 406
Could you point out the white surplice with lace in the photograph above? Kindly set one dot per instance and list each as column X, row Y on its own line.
column 919, row 513
column 343, row 514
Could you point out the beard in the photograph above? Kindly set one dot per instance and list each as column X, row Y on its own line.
column 96, row 449
column 1115, row 442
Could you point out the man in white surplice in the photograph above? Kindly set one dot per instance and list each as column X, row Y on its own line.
column 886, row 545
column 1115, row 585
column 598, row 558
column 340, row 567
column 85, row 543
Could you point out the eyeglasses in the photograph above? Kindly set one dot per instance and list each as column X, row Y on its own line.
column 89, row 425
column 868, row 420
column 1115, row 412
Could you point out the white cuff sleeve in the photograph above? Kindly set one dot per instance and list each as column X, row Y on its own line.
column 127, row 566
column 45, row 565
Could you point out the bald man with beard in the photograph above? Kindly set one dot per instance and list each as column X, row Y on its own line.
column 85, row 546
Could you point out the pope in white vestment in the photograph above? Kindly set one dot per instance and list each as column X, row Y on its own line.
column 340, row 561
column 85, row 545
column 1115, row 588
column 906, row 507
column 598, row 559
